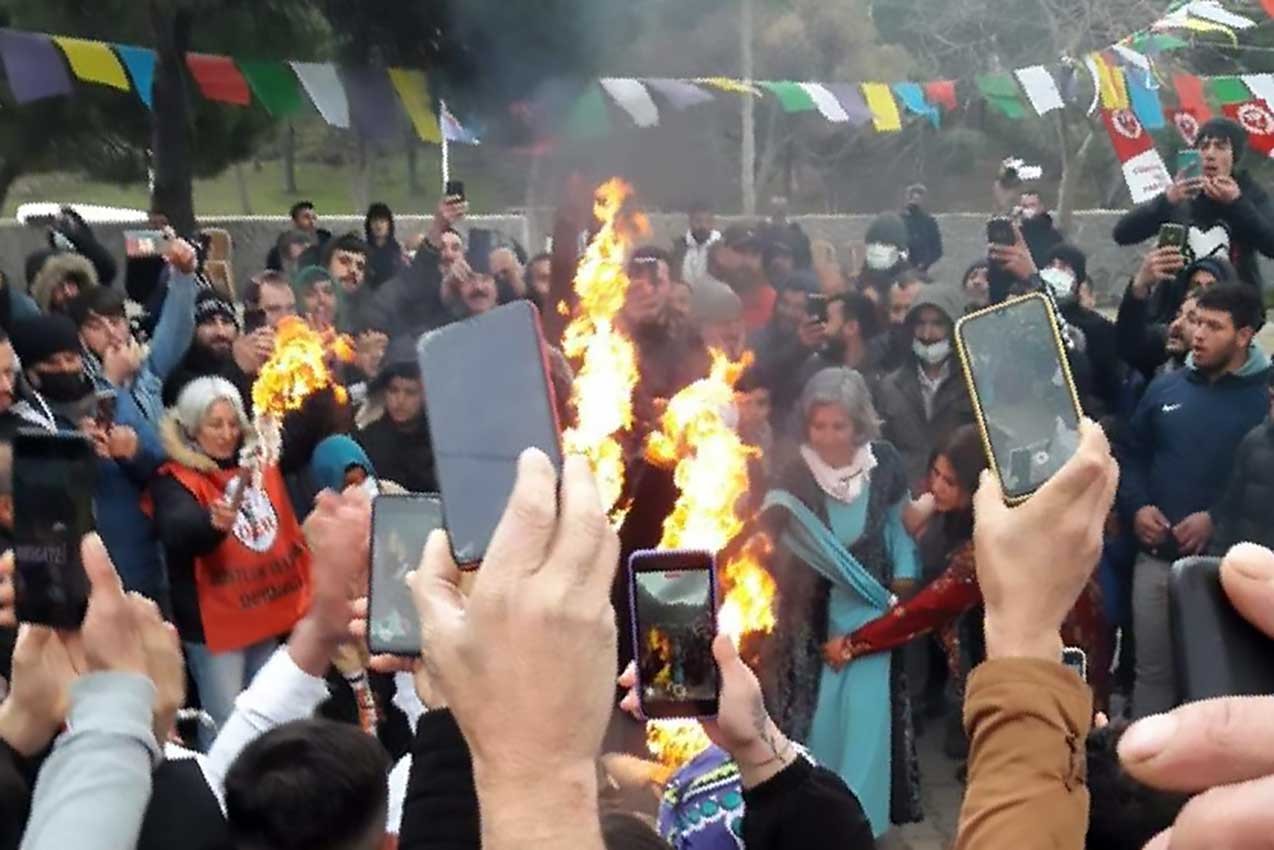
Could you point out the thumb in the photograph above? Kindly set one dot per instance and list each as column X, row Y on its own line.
column 988, row 502
column 1247, row 575
column 734, row 673
column 435, row 586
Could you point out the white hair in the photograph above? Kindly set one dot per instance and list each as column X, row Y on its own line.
column 846, row 389
column 198, row 397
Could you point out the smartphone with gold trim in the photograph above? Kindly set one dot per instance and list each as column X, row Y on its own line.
column 1023, row 393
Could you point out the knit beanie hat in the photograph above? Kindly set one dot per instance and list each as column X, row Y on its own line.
column 888, row 229
column 332, row 457
column 36, row 340
column 209, row 305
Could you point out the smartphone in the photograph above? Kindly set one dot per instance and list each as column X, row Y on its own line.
column 454, row 189
column 1077, row 660
column 145, row 243
column 1189, row 163
column 999, row 231
column 489, row 398
column 400, row 527
column 1172, row 235
column 816, row 306
column 107, row 404
column 1023, row 394
column 674, row 615
column 53, row 481
column 1216, row 652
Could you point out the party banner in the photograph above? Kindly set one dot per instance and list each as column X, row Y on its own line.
column 33, row 66
column 884, row 111
column 93, row 62
column 1143, row 168
column 140, row 62
column 826, row 103
column 913, row 97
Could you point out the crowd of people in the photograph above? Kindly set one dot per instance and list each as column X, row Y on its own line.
column 220, row 694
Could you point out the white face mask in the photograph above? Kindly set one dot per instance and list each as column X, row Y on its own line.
column 933, row 353
column 881, row 257
column 1060, row 281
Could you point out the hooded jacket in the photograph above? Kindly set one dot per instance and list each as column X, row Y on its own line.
column 1249, row 221
column 1181, row 444
column 1243, row 513
column 900, row 401
column 56, row 269
column 383, row 261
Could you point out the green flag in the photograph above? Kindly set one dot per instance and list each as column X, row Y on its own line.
column 1229, row 90
column 1000, row 90
column 792, row 97
column 588, row 118
column 274, row 85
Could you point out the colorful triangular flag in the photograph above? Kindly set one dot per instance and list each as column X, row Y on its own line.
column 274, row 85
column 93, row 62
column 219, row 79
column 884, row 111
column 633, row 98
column 913, row 97
column 1001, row 92
column 140, row 62
column 790, row 95
column 413, row 90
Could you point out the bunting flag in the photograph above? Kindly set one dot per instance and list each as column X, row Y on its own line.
column 1190, row 94
column 826, row 103
column 913, row 97
column 140, row 62
column 1261, row 85
column 325, row 90
column 33, row 66
column 884, row 112
column 413, row 91
column 1143, row 168
column 1187, row 125
column 1094, row 71
column 633, row 98
column 1212, row 11
column 728, row 84
column 453, row 130
column 219, row 79
column 1145, row 102
column 791, row 96
column 1181, row 18
column 1132, row 57
column 93, row 62
column 374, row 112
column 588, row 118
column 1255, row 117
column 943, row 93
column 1041, row 89
column 1110, row 83
column 274, row 86
column 851, row 100
column 1228, row 90
column 1268, row 6
column 1001, row 92
column 680, row 94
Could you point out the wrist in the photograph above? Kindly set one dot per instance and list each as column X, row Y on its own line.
column 312, row 646
column 25, row 733
column 536, row 806
column 1008, row 642
column 765, row 756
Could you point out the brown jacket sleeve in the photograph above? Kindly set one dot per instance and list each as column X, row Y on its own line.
column 1027, row 722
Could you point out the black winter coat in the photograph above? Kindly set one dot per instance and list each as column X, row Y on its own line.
column 405, row 457
column 1243, row 514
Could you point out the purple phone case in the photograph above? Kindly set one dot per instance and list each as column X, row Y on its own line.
column 632, row 615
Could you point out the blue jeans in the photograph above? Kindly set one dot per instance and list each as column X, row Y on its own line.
column 221, row 676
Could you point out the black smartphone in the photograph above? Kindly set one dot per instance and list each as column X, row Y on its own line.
column 107, row 404
column 454, row 189
column 146, row 243
column 674, row 615
column 816, row 306
column 254, row 319
column 53, row 480
column 1077, row 660
column 1172, row 235
column 1023, row 394
column 999, row 231
column 401, row 525
column 489, row 398
column 1216, row 652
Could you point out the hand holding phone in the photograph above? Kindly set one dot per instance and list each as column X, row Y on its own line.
column 816, row 306
column 1189, row 164
column 454, row 190
column 999, row 231
column 674, row 616
column 146, row 243
column 401, row 526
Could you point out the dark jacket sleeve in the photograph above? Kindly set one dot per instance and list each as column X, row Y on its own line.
column 1135, row 458
column 804, row 801
column 1142, row 221
column 86, row 243
column 183, row 524
column 441, row 807
column 1141, row 343
column 15, row 798
column 1252, row 219
column 1227, row 511
column 412, row 301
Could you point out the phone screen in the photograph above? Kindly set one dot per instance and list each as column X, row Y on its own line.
column 145, row 243
column 1076, row 659
column 1189, row 163
column 53, row 481
column 489, row 399
column 1172, row 235
column 401, row 525
column 674, row 623
column 1023, row 391
column 454, row 189
column 999, row 231
column 816, row 306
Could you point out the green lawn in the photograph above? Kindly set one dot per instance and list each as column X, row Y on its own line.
column 330, row 187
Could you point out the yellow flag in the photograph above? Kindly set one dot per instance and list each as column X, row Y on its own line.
column 730, row 85
column 884, row 110
column 413, row 90
column 1111, row 84
column 93, row 62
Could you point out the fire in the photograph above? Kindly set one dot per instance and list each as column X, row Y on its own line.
column 602, row 397
column 711, row 473
column 298, row 368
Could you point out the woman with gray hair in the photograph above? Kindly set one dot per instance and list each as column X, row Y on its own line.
column 842, row 554
column 237, row 561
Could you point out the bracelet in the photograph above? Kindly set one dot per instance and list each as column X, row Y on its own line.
column 779, row 757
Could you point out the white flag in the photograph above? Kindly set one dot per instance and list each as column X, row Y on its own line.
column 828, row 106
column 633, row 98
column 1040, row 88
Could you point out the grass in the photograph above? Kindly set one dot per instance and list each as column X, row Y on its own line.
column 330, row 187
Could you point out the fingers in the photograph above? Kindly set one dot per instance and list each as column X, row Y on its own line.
column 628, row 678
column 988, row 502
column 1237, row 817
column 1088, row 465
column 391, row 664
column 530, row 519
column 1247, row 575
column 583, row 531
column 103, row 580
column 1197, row 746
column 435, row 588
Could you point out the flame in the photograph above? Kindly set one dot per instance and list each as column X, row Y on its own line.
column 602, row 397
column 711, row 473
column 298, row 368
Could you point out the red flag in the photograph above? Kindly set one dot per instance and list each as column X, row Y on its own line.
column 1255, row 117
column 1190, row 95
column 943, row 92
column 1143, row 168
column 1186, row 123
column 219, row 79
column 1269, row 7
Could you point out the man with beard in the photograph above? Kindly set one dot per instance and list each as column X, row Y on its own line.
column 738, row 261
column 1037, row 226
column 219, row 349
column 470, row 289
column 690, row 255
column 892, row 348
column 345, row 259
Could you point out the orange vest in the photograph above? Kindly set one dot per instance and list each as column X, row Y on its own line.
column 255, row 584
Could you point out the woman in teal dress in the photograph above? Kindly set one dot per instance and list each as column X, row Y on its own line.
column 841, row 560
